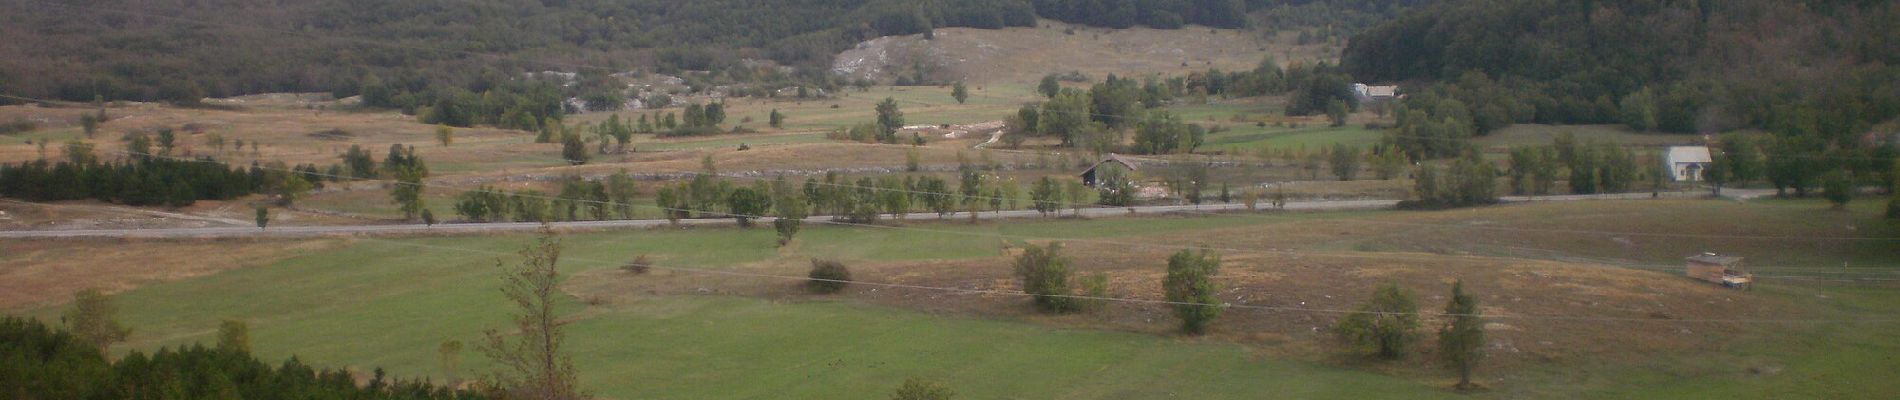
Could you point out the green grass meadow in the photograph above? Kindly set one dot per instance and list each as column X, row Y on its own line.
column 390, row 302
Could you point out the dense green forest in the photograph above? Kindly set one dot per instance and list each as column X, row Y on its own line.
column 1821, row 67
column 40, row 362
column 1803, row 85
column 183, row 50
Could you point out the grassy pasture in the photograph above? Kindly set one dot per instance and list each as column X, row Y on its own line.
column 388, row 303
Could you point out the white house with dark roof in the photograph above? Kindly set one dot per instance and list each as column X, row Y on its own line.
column 1686, row 163
column 1372, row 93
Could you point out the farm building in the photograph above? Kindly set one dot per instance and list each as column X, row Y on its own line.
column 1093, row 175
column 1372, row 93
column 1686, row 163
column 1722, row 270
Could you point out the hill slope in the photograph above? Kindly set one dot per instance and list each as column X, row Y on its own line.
column 188, row 49
column 1813, row 66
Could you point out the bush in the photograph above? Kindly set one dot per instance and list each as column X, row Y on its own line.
column 919, row 389
column 19, row 125
column 639, row 265
column 1045, row 273
column 828, row 277
column 52, row 363
column 1388, row 323
column 1190, row 284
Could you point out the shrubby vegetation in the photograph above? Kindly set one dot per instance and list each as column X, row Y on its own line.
column 140, row 181
column 828, row 277
column 45, row 362
column 1190, row 283
column 1387, row 324
column 1046, row 274
column 578, row 200
column 1466, row 182
column 919, row 389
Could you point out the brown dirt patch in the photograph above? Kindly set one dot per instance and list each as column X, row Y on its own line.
column 39, row 273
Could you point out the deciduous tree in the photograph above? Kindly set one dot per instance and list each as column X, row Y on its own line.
column 234, row 336
column 1344, row 161
column 790, row 208
column 1045, row 274
column 889, row 120
column 94, row 319
column 1191, row 287
column 1388, row 323
column 534, row 365
column 1461, row 340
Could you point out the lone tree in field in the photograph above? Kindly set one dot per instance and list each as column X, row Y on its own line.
column 573, row 149
column 1838, row 189
column 1045, row 273
column 92, row 319
column 776, row 119
column 960, row 92
column 90, row 124
column 534, row 366
column 263, row 217
column 1388, row 323
column 1337, row 111
column 747, row 203
column 1461, row 340
column 1190, row 284
column 1049, row 86
column 920, row 389
column 234, row 336
column 889, row 120
column 790, row 207
column 407, row 193
column 444, row 134
column 1344, row 161
column 828, row 277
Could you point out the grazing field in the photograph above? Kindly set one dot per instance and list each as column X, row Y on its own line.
column 703, row 332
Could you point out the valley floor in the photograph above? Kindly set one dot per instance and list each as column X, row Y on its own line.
column 1585, row 300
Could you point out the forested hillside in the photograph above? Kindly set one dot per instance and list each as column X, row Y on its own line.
column 1817, row 76
column 188, row 49
column 1821, row 67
